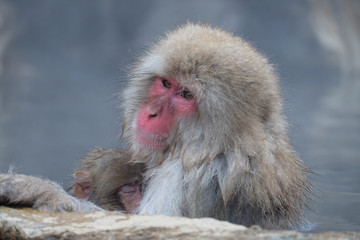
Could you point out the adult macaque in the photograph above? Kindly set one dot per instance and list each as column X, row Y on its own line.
column 105, row 178
column 203, row 111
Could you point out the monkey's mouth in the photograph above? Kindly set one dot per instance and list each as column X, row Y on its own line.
column 150, row 140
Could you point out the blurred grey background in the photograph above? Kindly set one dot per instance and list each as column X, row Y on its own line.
column 63, row 62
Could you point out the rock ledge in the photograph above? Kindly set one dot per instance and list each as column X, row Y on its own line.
column 16, row 223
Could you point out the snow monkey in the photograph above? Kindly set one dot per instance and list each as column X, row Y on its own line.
column 105, row 178
column 203, row 112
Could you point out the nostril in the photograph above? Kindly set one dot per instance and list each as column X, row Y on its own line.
column 153, row 110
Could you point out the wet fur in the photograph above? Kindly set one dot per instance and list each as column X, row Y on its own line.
column 109, row 169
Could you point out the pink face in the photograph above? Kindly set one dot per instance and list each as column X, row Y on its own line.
column 130, row 195
column 168, row 101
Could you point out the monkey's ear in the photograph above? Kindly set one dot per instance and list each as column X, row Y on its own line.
column 83, row 186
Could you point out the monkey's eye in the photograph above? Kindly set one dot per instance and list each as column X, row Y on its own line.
column 166, row 83
column 186, row 94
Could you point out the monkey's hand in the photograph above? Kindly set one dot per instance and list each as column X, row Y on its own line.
column 41, row 194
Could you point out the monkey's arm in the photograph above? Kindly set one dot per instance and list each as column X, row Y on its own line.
column 41, row 194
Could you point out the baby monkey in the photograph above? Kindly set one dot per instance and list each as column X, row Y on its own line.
column 106, row 178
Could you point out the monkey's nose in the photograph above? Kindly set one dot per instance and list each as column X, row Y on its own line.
column 153, row 110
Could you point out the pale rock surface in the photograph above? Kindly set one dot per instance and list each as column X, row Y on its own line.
column 16, row 223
